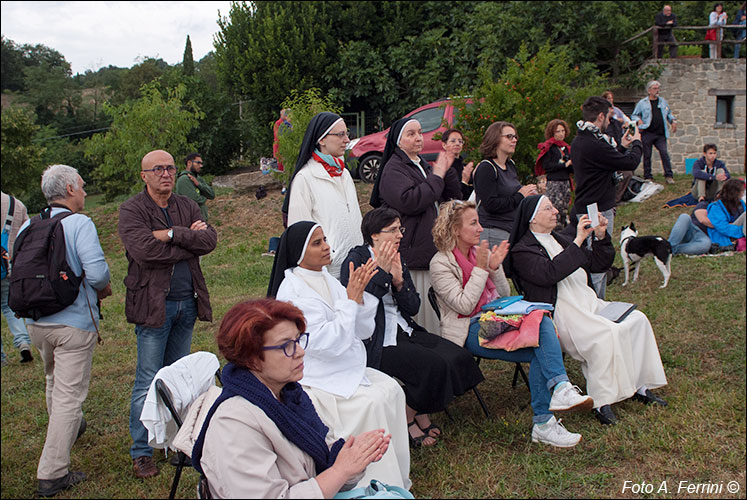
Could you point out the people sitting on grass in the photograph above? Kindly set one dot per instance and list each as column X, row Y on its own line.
column 619, row 360
column 709, row 175
column 689, row 235
column 466, row 275
column 262, row 437
column 349, row 397
column 432, row 370
column 727, row 215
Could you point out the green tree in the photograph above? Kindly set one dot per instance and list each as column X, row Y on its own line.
column 151, row 122
column 531, row 91
column 302, row 106
column 21, row 158
column 188, row 63
column 144, row 72
column 11, row 66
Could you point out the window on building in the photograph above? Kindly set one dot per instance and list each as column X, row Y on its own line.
column 724, row 109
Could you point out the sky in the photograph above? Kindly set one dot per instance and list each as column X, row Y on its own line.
column 92, row 35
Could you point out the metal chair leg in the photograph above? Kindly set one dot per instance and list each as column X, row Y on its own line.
column 482, row 403
column 177, row 475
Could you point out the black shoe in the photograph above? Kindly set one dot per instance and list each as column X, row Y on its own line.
column 605, row 416
column 649, row 398
column 50, row 487
column 26, row 356
column 174, row 460
column 82, row 428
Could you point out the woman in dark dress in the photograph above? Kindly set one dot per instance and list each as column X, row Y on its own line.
column 496, row 181
column 555, row 158
column 408, row 184
column 432, row 369
column 453, row 142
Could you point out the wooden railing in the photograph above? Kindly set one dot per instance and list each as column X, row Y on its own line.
column 719, row 43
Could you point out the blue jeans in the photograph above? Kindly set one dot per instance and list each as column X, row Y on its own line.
column 156, row 348
column 741, row 34
column 16, row 325
column 546, row 368
column 686, row 238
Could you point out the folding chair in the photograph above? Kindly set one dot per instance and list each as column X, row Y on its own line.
column 519, row 370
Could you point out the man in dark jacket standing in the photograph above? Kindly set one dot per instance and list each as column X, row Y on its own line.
column 665, row 20
column 596, row 157
column 164, row 235
column 190, row 184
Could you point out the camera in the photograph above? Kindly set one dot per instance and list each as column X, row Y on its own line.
column 631, row 129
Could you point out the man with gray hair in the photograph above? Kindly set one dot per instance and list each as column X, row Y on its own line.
column 653, row 116
column 66, row 339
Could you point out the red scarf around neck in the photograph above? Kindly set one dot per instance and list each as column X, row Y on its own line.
column 544, row 147
column 333, row 171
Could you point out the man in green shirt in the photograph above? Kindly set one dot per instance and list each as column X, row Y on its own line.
column 190, row 184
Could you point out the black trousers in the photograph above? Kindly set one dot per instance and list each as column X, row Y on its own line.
column 660, row 141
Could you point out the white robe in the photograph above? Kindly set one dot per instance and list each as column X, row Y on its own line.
column 349, row 397
column 332, row 202
column 616, row 358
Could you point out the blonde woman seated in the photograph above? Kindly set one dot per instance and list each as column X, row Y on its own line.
column 466, row 275
column 262, row 437
column 619, row 360
column 349, row 397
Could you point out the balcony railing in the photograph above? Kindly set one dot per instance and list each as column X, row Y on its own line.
column 656, row 43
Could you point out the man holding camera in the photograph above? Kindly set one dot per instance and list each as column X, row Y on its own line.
column 596, row 158
column 653, row 115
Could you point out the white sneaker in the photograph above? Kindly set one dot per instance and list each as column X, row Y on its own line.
column 553, row 433
column 569, row 398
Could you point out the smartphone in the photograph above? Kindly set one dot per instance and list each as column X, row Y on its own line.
column 631, row 129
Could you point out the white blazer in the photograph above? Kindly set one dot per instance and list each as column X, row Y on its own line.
column 335, row 358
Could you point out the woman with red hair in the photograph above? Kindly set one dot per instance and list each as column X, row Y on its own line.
column 555, row 161
column 262, row 437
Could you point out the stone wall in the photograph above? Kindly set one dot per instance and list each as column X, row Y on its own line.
column 691, row 87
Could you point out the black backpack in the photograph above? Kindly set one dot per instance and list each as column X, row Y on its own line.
column 42, row 282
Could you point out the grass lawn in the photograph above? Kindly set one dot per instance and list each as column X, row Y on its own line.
column 699, row 321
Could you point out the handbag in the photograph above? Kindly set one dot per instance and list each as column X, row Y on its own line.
column 710, row 34
column 376, row 489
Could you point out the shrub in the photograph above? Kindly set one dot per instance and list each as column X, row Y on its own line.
column 302, row 107
column 530, row 92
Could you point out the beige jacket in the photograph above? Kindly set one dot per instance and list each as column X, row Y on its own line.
column 453, row 300
column 19, row 217
column 245, row 455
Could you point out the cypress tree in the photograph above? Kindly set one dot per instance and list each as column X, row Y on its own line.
column 188, row 64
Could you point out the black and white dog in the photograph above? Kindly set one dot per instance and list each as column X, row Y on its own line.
column 634, row 248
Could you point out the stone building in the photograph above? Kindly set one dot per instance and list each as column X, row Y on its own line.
column 707, row 96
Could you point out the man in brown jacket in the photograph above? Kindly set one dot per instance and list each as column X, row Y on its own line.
column 164, row 235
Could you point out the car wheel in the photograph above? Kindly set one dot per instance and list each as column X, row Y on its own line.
column 368, row 168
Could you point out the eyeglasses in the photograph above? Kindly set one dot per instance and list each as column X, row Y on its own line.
column 455, row 141
column 511, row 137
column 401, row 229
column 160, row 169
column 341, row 134
column 289, row 348
column 197, row 162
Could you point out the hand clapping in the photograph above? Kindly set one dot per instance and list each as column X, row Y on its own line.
column 359, row 278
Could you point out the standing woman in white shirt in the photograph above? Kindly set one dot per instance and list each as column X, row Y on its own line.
column 347, row 396
column 716, row 18
column 322, row 190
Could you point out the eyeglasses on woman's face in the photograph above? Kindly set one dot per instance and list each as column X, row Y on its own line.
column 289, row 347
column 511, row 137
column 345, row 133
column 401, row 229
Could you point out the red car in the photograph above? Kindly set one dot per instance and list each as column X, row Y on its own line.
column 364, row 153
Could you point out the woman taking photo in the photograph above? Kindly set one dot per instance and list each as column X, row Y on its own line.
column 322, row 189
column 349, row 397
column 453, row 142
column 432, row 370
column 408, row 184
column 466, row 275
column 555, row 158
column 619, row 360
column 496, row 182
column 262, row 437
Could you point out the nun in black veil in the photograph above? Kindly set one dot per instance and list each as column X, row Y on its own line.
column 347, row 395
column 408, row 183
column 322, row 190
